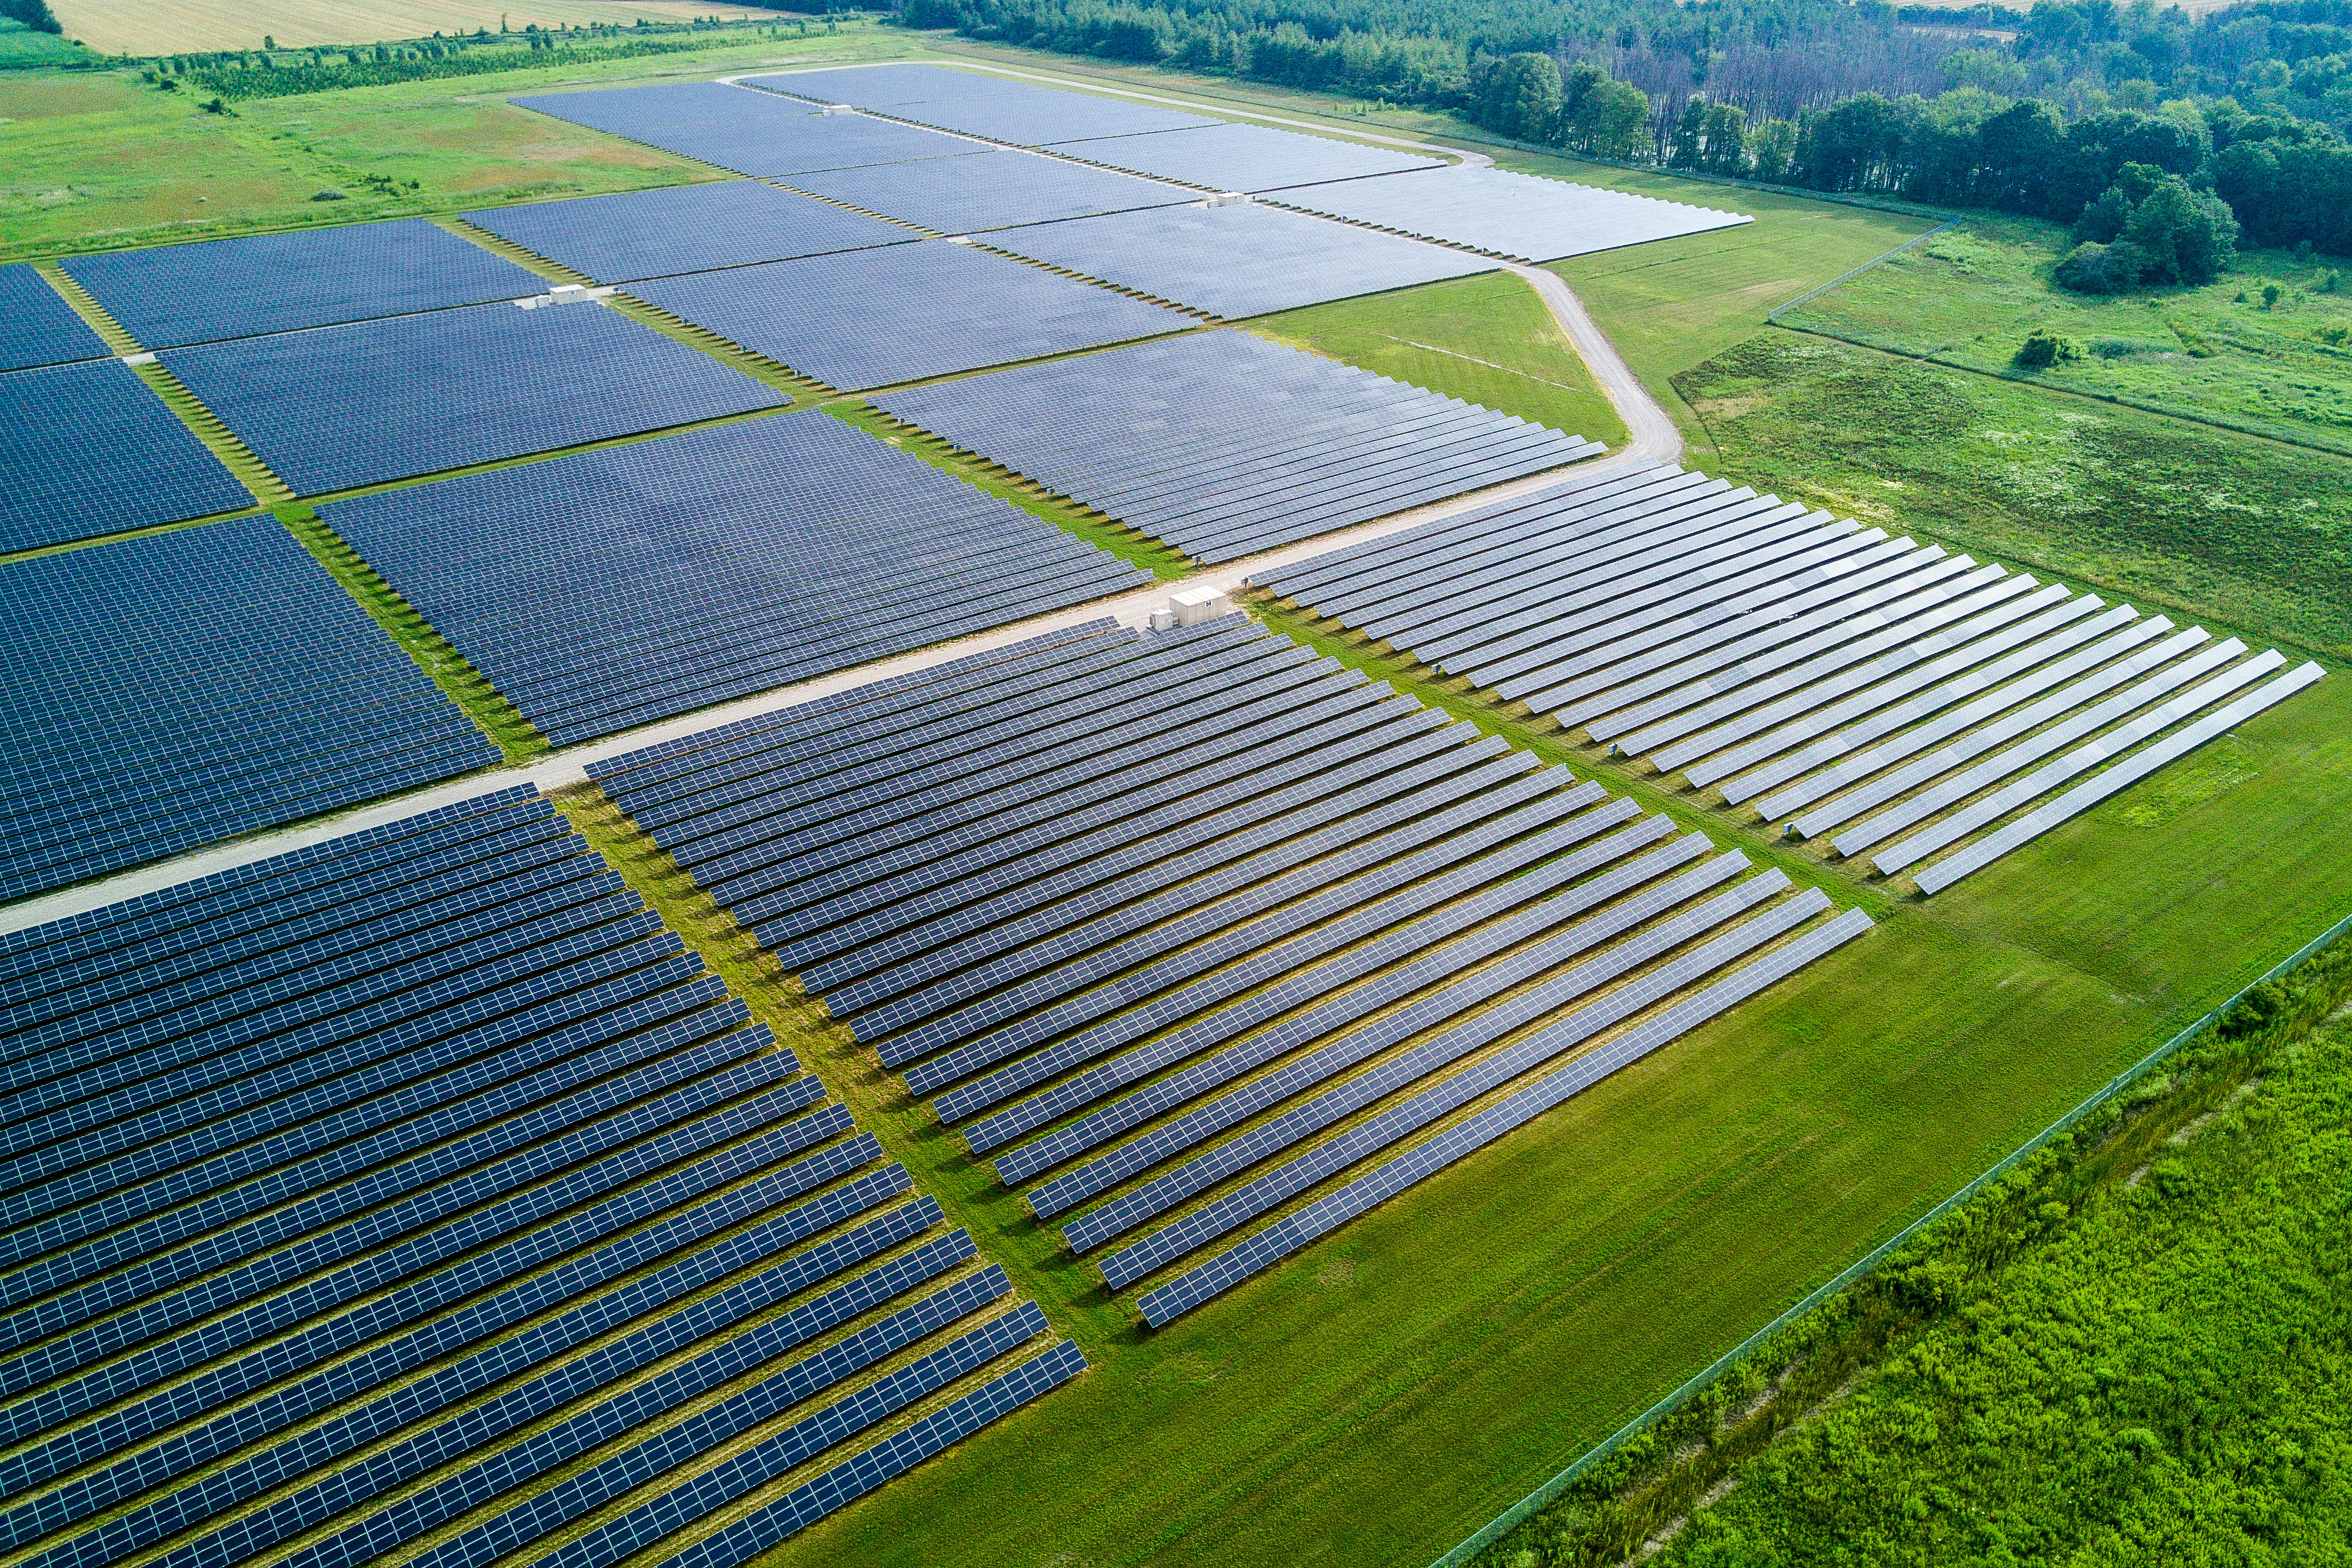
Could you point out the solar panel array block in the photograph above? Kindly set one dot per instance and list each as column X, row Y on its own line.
column 612, row 587
column 1520, row 216
column 167, row 295
column 417, row 394
column 420, row 1180
column 1910, row 703
column 1038, row 115
column 1223, row 444
column 1154, row 920
column 683, row 228
column 751, row 132
column 1237, row 261
column 995, row 190
column 874, row 318
column 886, row 85
column 92, row 450
column 168, row 691
column 37, row 327
column 1234, row 157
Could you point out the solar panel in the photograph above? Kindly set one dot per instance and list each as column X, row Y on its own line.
column 745, row 130
column 994, row 189
column 877, row 318
column 37, row 327
column 1234, row 157
column 1223, row 444
column 684, row 228
column 93, row 450
column 319, row 710
column 1521, row 215
column 1038, row 115
column 612, row 587
column 1237, row 261
column 167, row 295
column 883, row 86
column 417, row 394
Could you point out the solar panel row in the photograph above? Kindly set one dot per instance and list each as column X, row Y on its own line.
column 1228, row 977
column 1234, row 157
column 1222, row 443
column 684, row 228
column 994, row 190
column 37, row 327
column 1030, row 116
column 1834, row 678
column 1523, row 216
column 444, row 1173
column 170, row 691
column 609, row 589
column 757, row 133
column 92, row 450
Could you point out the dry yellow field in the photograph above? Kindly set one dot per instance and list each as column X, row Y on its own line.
column 165, row 27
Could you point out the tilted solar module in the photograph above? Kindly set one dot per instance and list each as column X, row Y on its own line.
column 882, row 86
column 174, row 689
column 1041, row 114
column 92, row 450
column 1236, row 156
column 742, row 129
column 417, row 394
column 877, row 318
column 1521, row 215
column 683, row 228
column 613, row 587
column 427, row 1145
column 995, row 190
column 37, row 327
column 1236, row 261
column 170, row 295
column 1223, row 444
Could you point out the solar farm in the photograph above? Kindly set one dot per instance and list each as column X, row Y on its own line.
column 771, row 869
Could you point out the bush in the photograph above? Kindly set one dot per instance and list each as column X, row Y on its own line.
column 2255, row 1012
column 2045, row 349
column 2148, row 227
column 2094, row 269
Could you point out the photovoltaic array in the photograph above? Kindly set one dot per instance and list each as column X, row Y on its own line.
column 177, row 294
column 874, row 318
column 609, row 589
column 1234, row 157
column 37, row 327
column 1917, row 708
column 419, row 1194
column 168, row 691
column 1033, row 116
column 756, row 133
column 1224, row 444
column 91, row 450
column 417, row 394
column 1236, row 261
column 889, row 86
column 1518, row 216
column 683, row 228
column 993, row 190
column 1215, row 940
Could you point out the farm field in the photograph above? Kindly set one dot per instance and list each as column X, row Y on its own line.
column 165, row 26
column 2219, row 352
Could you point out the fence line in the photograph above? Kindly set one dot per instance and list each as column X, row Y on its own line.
column 1773, row 315
column 1519, row 1512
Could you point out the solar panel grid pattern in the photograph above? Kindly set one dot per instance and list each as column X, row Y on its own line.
column 612, row 587
column 751, row 132
column 1034, row 116
column 1520, row 216
column 884, row 86
column 37, row 327
column 92, row 450
column 237, row 686
column 167, row 296
column 684, row 228
column 1224, row 445
column 1236, row 261
column 1090, row 1004
column 417, row 394
column 994, row 189
column 877, row 318
column 1858, row 684
column 1236, row 156
column 526, row 1205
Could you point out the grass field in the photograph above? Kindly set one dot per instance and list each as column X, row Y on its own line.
column 21, row 47
column 1486, row 339
column 1969, row 296
column 168, row 27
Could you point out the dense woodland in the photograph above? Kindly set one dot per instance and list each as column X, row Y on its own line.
column 2036, row 112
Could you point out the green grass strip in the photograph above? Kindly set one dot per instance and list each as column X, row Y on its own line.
column 802, row 389
column 465, row 686
column 101, row 321
column 522, row 255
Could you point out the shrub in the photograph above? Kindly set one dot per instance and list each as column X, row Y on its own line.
column 328, row 196
column 2094, row 269
column 2045, row 349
